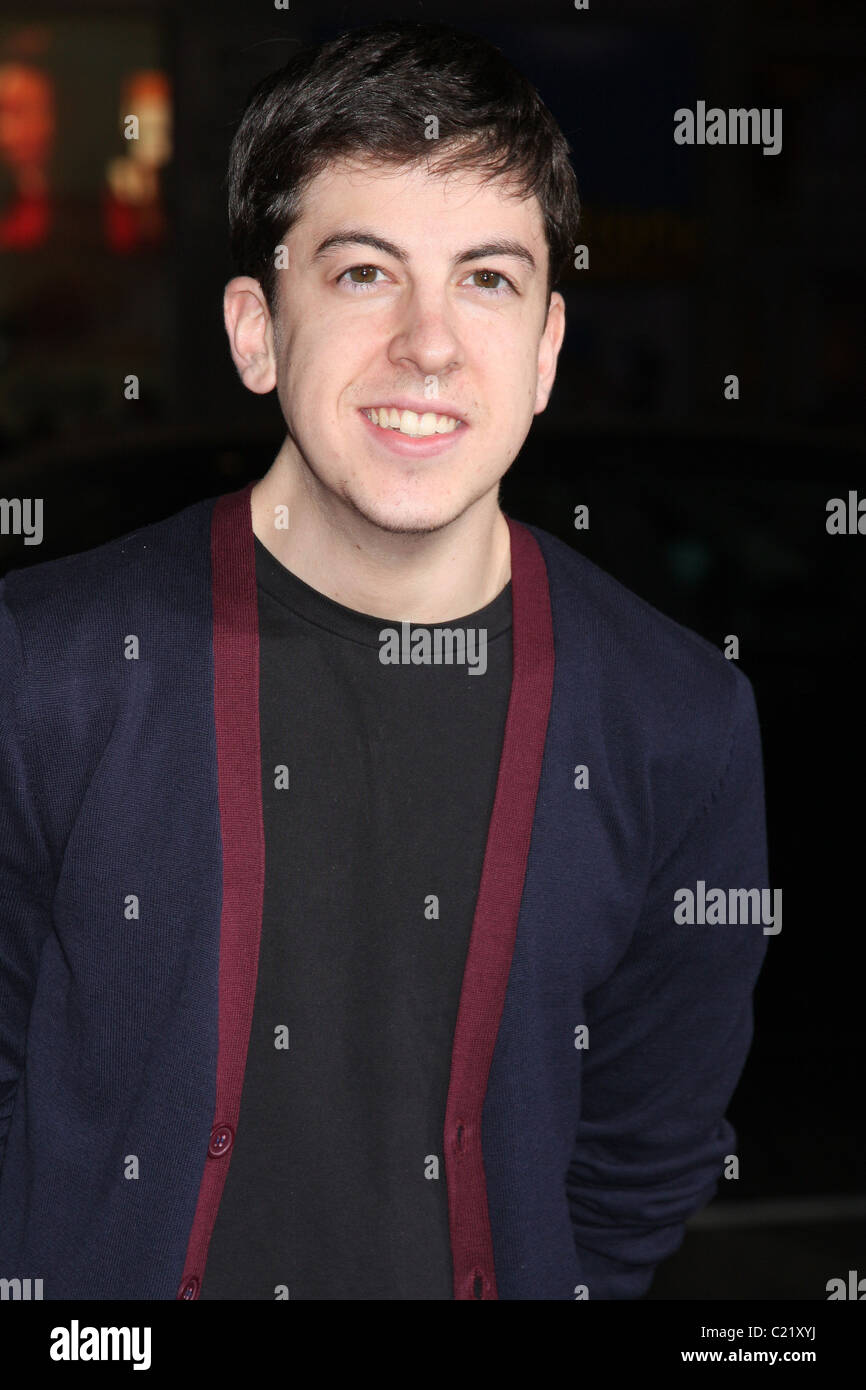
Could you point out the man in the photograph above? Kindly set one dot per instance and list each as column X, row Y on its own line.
column 344, row 814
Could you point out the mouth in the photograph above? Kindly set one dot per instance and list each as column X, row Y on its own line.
column 411, row 436
column 410, row 423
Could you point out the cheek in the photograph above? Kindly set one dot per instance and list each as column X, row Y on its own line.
column 302, row 375
column 312, row 390
column 326, row 360
column 512, row 374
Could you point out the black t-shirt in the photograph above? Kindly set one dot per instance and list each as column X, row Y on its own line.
column 378, row 782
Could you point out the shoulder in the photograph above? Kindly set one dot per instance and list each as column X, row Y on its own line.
column 660, row 692
column 63, row 598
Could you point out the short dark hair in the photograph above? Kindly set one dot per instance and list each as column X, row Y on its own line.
column 366, row 95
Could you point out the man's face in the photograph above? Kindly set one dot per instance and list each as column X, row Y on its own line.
column 446, row 315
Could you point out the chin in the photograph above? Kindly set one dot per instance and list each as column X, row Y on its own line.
column 410, row 519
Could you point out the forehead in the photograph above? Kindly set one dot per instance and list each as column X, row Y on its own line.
column 417, row 199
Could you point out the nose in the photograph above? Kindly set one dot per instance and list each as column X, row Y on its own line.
column 426, row 337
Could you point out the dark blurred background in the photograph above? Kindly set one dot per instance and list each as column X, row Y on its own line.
column 703, row 261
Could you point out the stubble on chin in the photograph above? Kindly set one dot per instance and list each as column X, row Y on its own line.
column 397, row 523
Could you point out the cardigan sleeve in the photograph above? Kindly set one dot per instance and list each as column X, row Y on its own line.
column 26, row 884
column 669, row 1032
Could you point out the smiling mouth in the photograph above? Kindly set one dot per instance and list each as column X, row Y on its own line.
column 411, row 423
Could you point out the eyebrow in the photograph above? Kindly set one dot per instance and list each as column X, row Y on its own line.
column 354, row 236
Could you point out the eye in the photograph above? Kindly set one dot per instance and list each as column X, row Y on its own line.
column 368, row 271
column 489, row 275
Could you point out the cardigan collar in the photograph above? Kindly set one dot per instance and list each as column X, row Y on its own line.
column 494, row 928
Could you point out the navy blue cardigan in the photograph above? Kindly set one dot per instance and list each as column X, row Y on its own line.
column 598, row 1041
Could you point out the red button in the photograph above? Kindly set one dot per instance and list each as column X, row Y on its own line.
column 189, row 1289
column 221, row 1140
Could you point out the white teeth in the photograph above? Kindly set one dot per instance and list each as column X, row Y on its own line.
column 409, row 422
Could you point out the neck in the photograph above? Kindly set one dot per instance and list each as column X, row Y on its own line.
column 423, row 578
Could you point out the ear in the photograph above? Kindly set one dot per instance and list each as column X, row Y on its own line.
column 251, row 333
column 548, row 350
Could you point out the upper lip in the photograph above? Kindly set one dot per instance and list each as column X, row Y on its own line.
column 434, row 405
